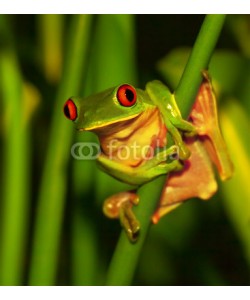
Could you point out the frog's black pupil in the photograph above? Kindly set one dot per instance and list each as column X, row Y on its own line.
column 130, row 95
column 66, row 111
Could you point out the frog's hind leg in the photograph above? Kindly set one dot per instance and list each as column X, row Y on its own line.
column 120, row 206
column 195, row 180
column 204, row 117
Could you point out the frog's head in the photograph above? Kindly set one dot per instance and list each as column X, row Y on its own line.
column 114, row 105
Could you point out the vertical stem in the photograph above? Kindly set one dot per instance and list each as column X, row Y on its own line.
column 198, row 61
column 53, row 186
column 16, row 168
column 51, row 40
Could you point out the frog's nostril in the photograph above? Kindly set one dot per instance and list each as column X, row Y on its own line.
column 70, row 110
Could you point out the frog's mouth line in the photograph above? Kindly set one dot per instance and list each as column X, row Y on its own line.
column 122, row 122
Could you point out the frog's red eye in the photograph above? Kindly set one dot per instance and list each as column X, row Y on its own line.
column 126, row 95
column 70, row 110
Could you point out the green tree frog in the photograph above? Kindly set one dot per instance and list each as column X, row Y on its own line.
column 132, row 127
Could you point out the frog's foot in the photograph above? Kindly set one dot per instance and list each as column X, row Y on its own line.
column 129, row 221
column 188, row 130
column 162, row 163
column 120, row 206
column 191, row 133
column 184, row 152
column 172, row 153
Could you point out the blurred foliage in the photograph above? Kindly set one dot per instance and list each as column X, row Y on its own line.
column 201, row 243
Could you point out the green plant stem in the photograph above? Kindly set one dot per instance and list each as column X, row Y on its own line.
column 53, row 186
column 51, row 37
column 198, row 61
column 125, row 258
column 16, row 164
column 16, row 176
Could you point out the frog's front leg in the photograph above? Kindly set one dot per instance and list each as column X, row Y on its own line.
column 165, row 101
column 120, row 206
column 146, row 171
